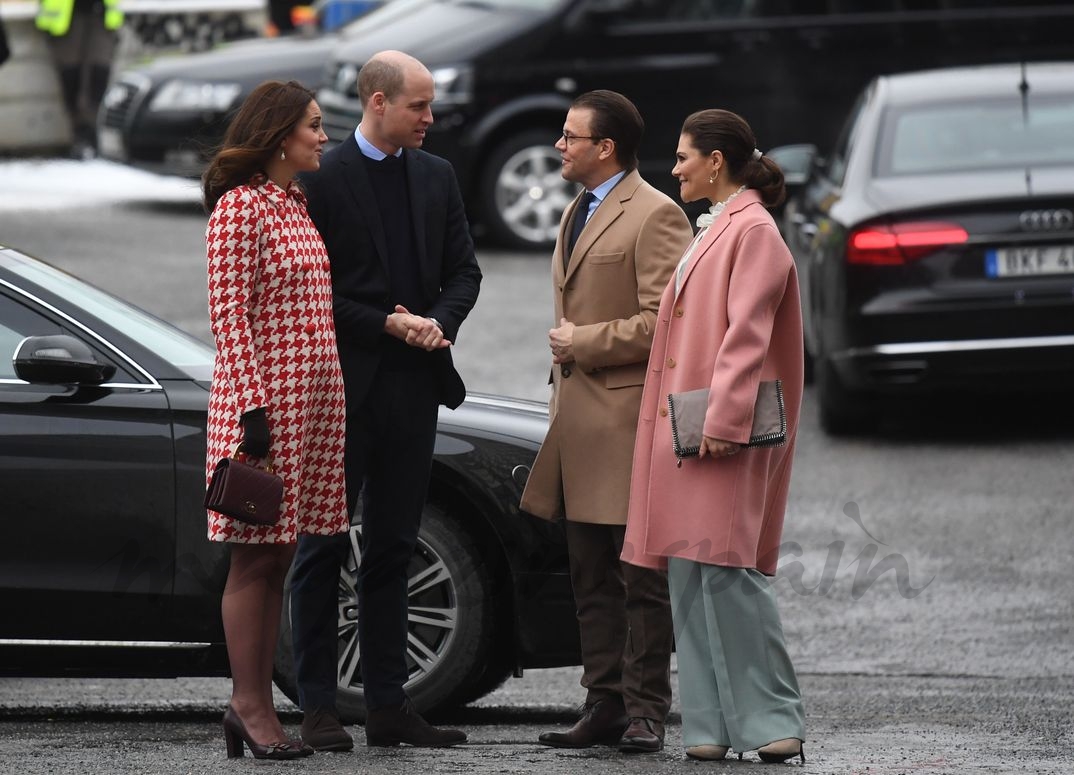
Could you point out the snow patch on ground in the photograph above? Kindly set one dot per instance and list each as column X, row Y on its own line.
column 42, row 184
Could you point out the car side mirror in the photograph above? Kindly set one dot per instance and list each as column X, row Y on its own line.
column 59, row 359
column 796, row 161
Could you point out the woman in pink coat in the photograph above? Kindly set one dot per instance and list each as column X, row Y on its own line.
column 277, row 386
column 729, row 319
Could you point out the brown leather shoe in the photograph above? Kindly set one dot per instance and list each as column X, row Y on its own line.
column 322, row 731
column 642, row 735
column 602, row 723
column 391, row 726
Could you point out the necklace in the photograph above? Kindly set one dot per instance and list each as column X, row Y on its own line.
column 705, row 219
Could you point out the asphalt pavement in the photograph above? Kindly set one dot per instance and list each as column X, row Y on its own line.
column 926, row 584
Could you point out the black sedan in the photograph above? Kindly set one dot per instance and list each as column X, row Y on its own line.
column 935, row 241
column 105, row 568
column 169, row 116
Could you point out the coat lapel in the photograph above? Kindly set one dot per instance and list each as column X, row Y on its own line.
column 360, row 188
column 746, row 198
column 606, row 214
column 558, row 269
column 713, row 234
column 416, row 184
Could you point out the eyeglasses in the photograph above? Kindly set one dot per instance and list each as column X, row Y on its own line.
column 568, row 138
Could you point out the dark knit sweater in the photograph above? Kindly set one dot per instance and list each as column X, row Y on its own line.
column 388, row 178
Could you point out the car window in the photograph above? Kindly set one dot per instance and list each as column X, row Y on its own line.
column 399, row 9
column 185, row 352
column 711, row 10
column 18, row 321
column 837, row 162
column 982, row 134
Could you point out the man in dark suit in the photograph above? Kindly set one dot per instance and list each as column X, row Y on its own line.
column 404, row 277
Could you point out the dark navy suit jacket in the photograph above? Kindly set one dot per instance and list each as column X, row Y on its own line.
column 343, row 205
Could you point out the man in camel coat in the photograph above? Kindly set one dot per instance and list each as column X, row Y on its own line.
column 618, row 244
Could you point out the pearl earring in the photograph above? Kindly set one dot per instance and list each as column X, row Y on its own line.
column 715, row 174
column 283, row 156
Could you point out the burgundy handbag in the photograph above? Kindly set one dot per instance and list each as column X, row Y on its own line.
column 245, row 492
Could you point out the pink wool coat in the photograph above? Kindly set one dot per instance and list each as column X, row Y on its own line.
column 736, row 321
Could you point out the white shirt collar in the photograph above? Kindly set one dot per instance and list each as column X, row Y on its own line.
column 602, row 190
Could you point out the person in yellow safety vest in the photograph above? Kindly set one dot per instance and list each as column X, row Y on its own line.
column 82, row 39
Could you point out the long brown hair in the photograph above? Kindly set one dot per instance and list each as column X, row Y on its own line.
column 264, row 119
column 727, row 132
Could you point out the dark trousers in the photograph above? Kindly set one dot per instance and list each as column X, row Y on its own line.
column 625, row 621
column 389, row 452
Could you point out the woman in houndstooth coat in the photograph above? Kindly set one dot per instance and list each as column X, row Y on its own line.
column 277, row 386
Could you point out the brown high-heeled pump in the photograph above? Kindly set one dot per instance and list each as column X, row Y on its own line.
column 235, row 735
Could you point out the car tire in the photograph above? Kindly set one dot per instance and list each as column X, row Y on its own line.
column 842, row 412
column 458, row 659
column 523, row 194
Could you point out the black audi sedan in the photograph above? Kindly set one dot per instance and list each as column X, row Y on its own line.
column 105, row 568
column 935, row 241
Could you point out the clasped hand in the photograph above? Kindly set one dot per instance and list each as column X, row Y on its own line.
column 561, row 341
column 415, row 330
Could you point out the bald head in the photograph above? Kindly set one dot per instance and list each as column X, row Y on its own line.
column 397, row 93
column 386, row 72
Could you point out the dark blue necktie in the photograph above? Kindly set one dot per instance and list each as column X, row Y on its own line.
column 579, row 223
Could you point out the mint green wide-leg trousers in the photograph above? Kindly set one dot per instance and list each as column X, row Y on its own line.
column 737, row 685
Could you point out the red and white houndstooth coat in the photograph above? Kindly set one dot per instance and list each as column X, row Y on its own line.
column 270, row 310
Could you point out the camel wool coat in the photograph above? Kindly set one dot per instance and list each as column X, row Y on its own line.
column 610, row 290
column 736, row 321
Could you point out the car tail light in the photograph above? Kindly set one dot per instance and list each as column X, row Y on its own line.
column 883, row 245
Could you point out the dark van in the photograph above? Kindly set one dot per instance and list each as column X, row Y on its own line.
column 506, row 71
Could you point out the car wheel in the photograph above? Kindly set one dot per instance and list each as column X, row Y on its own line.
column 523, row 194
column 842, row 412
column 451, row 622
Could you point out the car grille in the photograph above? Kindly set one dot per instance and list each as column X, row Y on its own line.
column 340, row 115
column 119, row 102
column 339, row 101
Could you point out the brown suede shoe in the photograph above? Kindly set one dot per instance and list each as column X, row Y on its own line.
column 322, row 731
column 387, row 727
column 602, row 723
column 643, row 735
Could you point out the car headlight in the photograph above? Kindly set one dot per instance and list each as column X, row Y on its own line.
column 454, row 85
column 178, row 95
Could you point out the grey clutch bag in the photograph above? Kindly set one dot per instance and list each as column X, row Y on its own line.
column 687, row 413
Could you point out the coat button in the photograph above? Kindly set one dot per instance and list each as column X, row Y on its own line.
column 663, row 411
column 678, row 312
column 307, row 265
column 311, row 328
column 565, row 371
column 671, row 363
